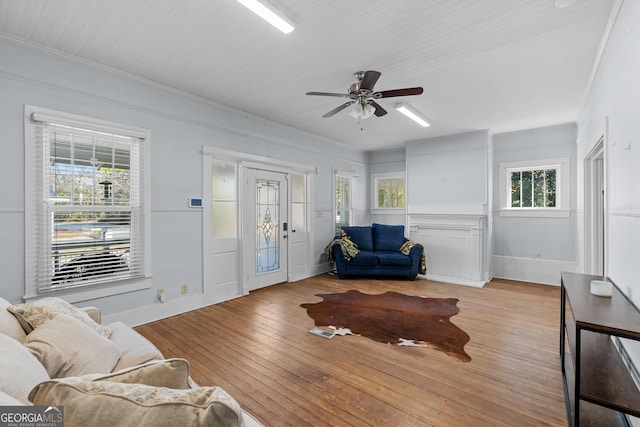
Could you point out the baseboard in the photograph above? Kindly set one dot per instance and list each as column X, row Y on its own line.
column 455, row 280
column 531, row 269
column 151, row 313
column 325, row 267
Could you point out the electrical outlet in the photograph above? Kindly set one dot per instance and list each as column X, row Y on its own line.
column 185, row 289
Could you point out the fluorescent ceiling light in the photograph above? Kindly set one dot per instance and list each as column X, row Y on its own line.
column 269, row 14
column 413, row 114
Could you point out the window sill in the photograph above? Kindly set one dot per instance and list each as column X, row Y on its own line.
column 536, row 213
column 387, row 211
column 93, row 292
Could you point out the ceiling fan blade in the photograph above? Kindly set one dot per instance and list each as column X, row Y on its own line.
column 339, row 95
column 338, row 109
column 369, row 80
column 398, row 92
column 379, row 110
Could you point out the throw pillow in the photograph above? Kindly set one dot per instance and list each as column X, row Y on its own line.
column 9, row 325
column 32, row 315
column 65, row 346
column 20, row 371
column 93, row 402
column 170, row 373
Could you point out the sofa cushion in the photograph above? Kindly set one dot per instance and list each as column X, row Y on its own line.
column 135, row 348
column 93, row 402
column 9, row 325
column 393, row 258
column 387, row 237
column 364, row 258
column 361, row 236
column 20, row 371
column 65, row 346
column 171, row 373
column 34, row 314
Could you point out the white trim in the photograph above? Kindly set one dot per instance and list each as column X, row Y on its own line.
column 563, row 187
column 534, row 270
column 256, row 161
column 354, row 194
column 536, row 212
column 454, row 280
column 606, row 34
column 80, row 294
column 375, row 177
column 591, row 251
column 475, row 209
column 51, row 116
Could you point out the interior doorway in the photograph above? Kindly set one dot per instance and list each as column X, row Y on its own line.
column 595, row 209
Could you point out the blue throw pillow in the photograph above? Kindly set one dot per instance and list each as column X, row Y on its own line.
column 387, row 237
column 361, row 236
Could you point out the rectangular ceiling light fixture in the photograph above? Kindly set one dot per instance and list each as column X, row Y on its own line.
column 270, row 14
column 413, row 114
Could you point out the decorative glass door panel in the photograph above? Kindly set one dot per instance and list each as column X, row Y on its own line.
column 268, row 225
column 265, row 228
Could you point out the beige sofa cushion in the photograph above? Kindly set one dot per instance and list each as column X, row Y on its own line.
column 9, row 325
column 135, row 348
column 32, row 315
column 171, row 373
column 66, row 347
column 20, row 371
column 93, row 402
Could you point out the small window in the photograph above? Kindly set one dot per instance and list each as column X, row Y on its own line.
column 535, row 188
column 345, row 187
column 388, row 191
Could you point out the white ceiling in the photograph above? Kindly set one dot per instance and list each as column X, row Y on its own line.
column 501, row 65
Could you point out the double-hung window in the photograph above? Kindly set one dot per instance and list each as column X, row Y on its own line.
column 87, row 210
column 535, row 188
column 344, row 202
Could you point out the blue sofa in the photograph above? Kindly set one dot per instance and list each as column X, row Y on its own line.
column 380, row 254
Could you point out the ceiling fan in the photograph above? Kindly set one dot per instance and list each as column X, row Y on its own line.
column 362, row 96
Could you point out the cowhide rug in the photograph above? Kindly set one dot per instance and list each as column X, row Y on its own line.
column 393, row 318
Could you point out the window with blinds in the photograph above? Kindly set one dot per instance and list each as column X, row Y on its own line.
column 344, row 199
column 87, row 215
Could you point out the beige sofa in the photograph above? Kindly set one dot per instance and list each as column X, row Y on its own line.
column 54, row 354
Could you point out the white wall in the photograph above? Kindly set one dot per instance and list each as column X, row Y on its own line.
column 533, row 248
column 616, row 94
column 384, row 161
column 450, row 170
column 180, row 125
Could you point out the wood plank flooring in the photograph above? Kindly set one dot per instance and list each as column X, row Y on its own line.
column 259, row 350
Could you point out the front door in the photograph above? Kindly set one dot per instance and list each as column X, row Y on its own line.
column 265, row 228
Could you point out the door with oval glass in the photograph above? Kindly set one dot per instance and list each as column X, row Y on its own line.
column 265, row 228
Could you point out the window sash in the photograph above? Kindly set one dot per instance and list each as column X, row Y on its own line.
column 344, row 195
column 533, row 188
column 110, row 246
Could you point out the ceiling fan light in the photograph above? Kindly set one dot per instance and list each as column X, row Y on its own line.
column 269, row 14
column 362, row 111
column 413, row 114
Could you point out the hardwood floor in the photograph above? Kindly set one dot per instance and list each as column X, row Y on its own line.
column 258, row 349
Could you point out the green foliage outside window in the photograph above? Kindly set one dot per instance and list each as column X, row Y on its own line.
column 533, row 188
